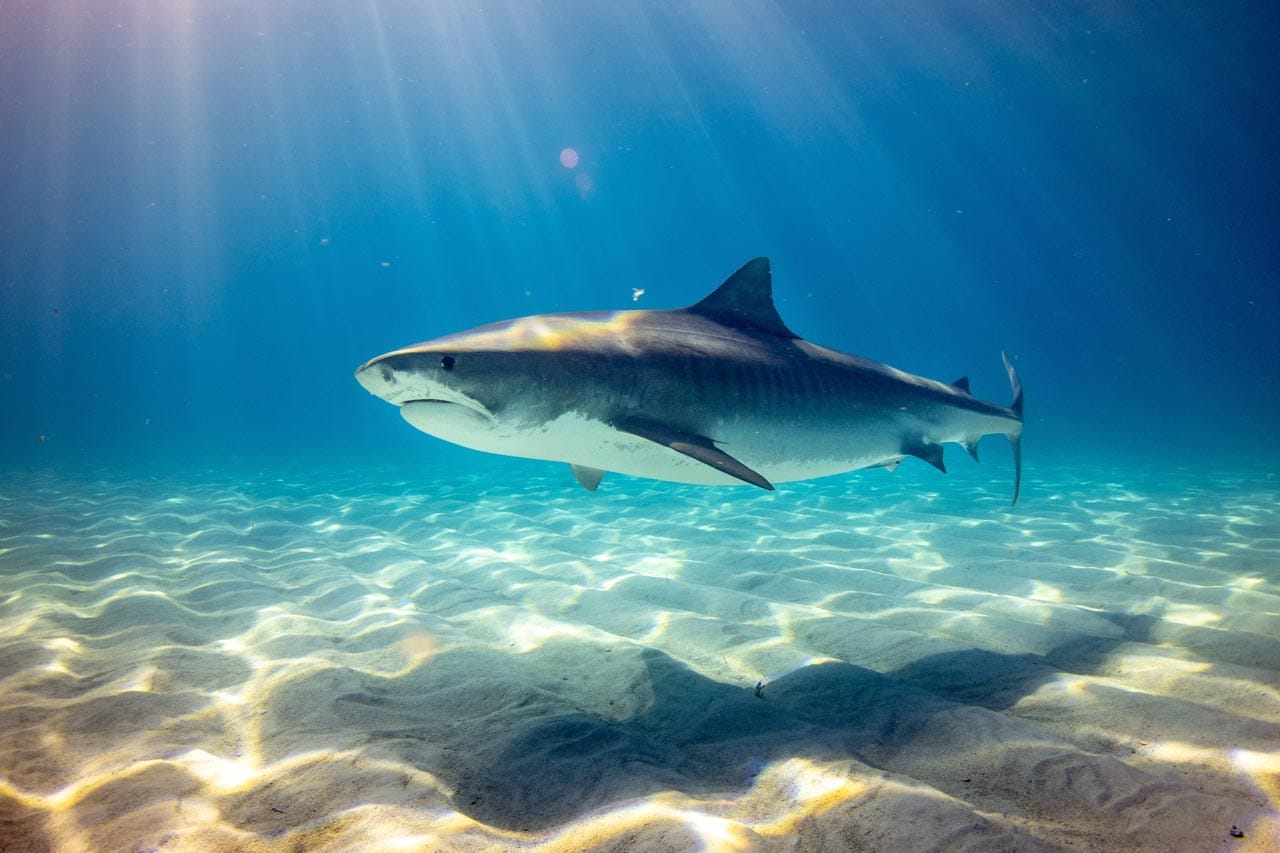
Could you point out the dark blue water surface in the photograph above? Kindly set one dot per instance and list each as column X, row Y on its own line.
column 212, row 212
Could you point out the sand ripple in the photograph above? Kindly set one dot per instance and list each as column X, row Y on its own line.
column 362, row 659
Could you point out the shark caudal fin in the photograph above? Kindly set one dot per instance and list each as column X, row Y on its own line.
column 1015, row 438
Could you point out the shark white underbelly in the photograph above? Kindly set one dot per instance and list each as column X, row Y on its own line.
column 591, row 443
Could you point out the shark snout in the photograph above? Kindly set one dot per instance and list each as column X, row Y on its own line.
column 390, row 378
column 378, row 379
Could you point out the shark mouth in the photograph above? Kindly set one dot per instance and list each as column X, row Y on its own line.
column 425, row 404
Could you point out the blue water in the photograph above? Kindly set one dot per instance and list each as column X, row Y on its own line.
column 212, row 213
column 243, row 604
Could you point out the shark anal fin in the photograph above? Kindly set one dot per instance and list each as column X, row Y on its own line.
column 931, row 453
column 697, row 447
column 589, row 477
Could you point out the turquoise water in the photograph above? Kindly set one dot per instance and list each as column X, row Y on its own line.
column 243, row 605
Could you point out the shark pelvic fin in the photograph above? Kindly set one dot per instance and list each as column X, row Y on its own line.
column 697, row 447
column 971, row 445
column 931, row 453
column 745, row 301
column 589, row 477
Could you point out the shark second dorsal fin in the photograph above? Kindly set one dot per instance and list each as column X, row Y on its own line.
column 745, row 301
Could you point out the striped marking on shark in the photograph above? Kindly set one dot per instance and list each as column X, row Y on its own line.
column 718, row 393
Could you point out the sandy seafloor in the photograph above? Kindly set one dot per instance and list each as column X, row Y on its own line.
column 469, row 661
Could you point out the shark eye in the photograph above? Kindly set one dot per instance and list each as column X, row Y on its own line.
column 447, row 362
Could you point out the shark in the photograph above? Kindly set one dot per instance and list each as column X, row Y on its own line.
column 721, row 392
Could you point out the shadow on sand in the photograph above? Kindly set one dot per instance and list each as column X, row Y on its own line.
column 530, row 741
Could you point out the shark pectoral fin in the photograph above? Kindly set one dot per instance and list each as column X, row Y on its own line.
column 931, row 453
column 721, row 461
column 697, row 447
column 589, row 477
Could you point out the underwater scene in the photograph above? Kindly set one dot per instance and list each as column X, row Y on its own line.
column 552, row 425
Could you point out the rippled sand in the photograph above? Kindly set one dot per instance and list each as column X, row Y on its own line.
column 360, row 660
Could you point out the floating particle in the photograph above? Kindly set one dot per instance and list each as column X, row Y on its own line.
column 636, row 293
column 324, row 241
column 386, row 263
column 569, row 158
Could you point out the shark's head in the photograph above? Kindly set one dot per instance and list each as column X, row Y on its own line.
column 451, row 387
column 479, row 387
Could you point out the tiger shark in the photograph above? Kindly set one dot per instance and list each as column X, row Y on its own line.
column 719, row 393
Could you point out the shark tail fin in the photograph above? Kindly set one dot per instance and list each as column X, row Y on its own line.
column 1015, row 438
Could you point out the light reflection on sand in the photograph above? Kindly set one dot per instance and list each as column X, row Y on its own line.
column 323, row 662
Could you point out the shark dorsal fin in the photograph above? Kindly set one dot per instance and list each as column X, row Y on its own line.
column 745, row 301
